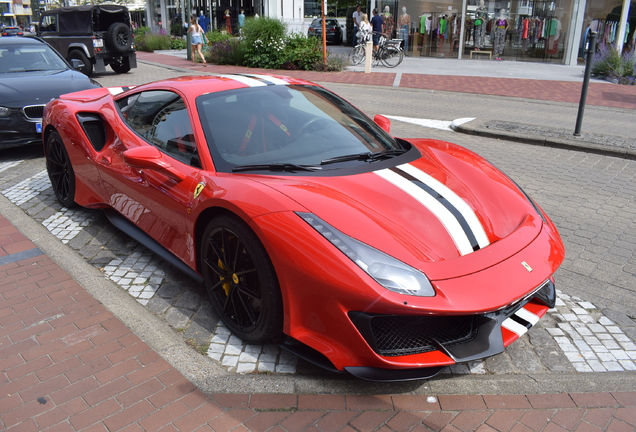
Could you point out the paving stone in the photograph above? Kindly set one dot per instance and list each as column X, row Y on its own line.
column 178, row 318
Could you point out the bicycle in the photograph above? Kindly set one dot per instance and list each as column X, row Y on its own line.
column 389, row 52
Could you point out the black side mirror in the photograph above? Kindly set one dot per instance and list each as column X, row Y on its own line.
column 77, row 64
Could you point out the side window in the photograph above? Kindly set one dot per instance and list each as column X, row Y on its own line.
column 49, row 23
column 162, row 119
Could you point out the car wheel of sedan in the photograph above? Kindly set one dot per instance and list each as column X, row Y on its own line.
column 60, row 170
column 241, row 281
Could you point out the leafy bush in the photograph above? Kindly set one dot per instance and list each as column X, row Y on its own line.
column 607, row 62
column 301, row 52
column 335, row 63
column 177, row 43
column 225, row 52
column 145, row 40
column 218, row 36
column 264, row 42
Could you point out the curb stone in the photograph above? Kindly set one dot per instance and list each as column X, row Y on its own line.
column 483, row 127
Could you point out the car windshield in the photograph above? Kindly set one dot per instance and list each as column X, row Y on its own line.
column 29, row 57
column 328, row 23
column 285, row 126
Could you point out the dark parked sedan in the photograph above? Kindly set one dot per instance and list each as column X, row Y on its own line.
column 31, row 74
column 12, row 31
column 334, row 31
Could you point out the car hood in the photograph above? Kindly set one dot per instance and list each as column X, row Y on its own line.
column 425, row 211
column 18, row 89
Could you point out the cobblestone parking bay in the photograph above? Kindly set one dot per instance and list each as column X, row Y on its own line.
column 575, row 336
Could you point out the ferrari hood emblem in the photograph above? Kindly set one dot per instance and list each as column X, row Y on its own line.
column 526, row 266
column 198, row 189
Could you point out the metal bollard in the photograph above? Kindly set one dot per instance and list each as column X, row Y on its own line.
column 590, row 49
column 368, row 57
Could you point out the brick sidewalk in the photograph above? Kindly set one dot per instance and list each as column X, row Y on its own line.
column 601, row 94
column 69, row 365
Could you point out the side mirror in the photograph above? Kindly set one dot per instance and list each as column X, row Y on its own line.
column 383, row 122
column 148, row 157
column 77, row 64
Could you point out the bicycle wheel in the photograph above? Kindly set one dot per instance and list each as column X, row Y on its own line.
column 358, row 55
column 392, row 56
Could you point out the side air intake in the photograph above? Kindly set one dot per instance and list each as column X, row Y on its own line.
column 93, row 126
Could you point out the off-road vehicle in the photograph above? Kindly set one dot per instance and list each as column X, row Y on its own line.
column 96, row 35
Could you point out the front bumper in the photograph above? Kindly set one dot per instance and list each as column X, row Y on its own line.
column 22, row 127
column 458, row 338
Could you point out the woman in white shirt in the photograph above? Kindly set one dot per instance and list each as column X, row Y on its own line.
column 365, row 29
column 195, row 31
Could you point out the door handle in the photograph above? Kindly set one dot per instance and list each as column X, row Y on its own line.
column 106, row 160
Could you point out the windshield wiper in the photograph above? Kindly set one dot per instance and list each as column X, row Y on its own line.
column 366, row 157
column 276, row 167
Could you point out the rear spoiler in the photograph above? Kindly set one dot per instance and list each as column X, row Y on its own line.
column 94, row 94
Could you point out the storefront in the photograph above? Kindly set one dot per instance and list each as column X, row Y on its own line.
column 513, row 30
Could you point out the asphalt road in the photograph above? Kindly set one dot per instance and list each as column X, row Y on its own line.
column 591, row 198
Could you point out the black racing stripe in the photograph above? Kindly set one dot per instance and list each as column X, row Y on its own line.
column 521, row 321
column 443, row 201
column 257, row 78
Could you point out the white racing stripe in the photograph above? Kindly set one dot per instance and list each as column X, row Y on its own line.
column 267, row 78
column 442, row 213
column 514, row 327
column 251, row 82
column 466, row 211
column 525, row 314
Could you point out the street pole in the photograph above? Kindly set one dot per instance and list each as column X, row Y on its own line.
column 324, row 32
column 188, row 35
column 590, row 49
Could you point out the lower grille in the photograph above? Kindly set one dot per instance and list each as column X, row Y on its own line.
column 33, row 112
column 396, row 335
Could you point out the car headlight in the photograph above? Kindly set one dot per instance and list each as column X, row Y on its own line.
column 4, row 111
column 389, row 272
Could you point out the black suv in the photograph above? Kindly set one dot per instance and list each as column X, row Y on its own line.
column 96, row 35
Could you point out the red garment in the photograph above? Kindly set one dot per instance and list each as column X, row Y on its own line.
column 228, row 24
column 524, row 29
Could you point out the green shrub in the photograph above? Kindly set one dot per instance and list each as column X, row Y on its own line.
column 177, row 43
column 300, row 52
column 218, row 36
column 608, row 62
column 264, row 42
column 153, row 42
column 224, row 52
column 335, row 63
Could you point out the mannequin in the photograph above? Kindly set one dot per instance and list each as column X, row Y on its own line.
column 481, row 19
column 388, row 23
column 228, row 21
column 405, row 24
column 552, row 32
column 499, row 30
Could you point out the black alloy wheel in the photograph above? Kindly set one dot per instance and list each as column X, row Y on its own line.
column 119, row 37
column 121, row 65
column 60, row 170
column 241, row 281
column 87, row 69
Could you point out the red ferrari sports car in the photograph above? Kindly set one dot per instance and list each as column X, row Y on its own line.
column 308, row 223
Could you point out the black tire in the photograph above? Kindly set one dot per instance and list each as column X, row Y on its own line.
column 357, row 55
column 79, row 55
column 118, row 37
column 392, row 56
column 60, row 170
column 120, row 65
column 241, row 281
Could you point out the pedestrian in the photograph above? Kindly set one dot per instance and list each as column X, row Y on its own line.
column 357, row 20
column 365, row 29
column 376, row 26
column 195, row 31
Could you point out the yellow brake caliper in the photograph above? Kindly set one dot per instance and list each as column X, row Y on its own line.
column 227, row 285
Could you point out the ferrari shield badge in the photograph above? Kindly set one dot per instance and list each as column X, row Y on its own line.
column 198, row 190
column 526, row 266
